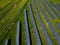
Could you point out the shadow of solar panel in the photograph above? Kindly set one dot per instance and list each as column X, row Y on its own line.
column 8, row 42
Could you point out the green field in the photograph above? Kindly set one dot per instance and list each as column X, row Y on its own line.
column 46, row 14
column 56, row 2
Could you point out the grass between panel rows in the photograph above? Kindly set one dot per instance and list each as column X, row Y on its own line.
column 7, row 21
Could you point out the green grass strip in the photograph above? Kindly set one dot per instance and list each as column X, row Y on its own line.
column 6, row 22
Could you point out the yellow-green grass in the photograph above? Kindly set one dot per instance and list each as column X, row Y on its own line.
column 33, row 38
column 55, row 1
column 4, row 3
column 54, row 41
column 52, row 21
column 6, row 22
column 7, row 9
column 12, row 35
